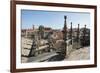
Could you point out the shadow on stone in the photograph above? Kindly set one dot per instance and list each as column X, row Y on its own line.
column 56, row 58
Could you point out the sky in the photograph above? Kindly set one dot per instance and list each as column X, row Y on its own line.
column 53, row 19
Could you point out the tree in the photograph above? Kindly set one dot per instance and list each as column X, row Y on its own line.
column 32, row 36
column 85, row 37
column 41, row 31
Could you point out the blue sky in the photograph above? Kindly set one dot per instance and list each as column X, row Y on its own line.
column 53, row 19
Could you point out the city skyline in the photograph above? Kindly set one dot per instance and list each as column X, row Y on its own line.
column 53, row 19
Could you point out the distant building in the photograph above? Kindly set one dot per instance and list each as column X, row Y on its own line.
column 23, row 32
column 29, row 32
column 57, row 34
